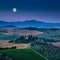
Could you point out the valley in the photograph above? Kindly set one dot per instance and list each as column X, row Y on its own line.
column 42, row 40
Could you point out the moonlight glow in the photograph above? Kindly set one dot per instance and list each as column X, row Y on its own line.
column 14, row 10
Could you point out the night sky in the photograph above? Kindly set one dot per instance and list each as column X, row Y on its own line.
column 41, row 10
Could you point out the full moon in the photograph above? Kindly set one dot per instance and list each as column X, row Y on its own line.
column 14, row 10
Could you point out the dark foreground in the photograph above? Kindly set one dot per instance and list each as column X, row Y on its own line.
column 21, row 54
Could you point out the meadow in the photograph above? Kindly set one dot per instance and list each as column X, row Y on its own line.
column 22, row 54
column 50, row 34
column 45, row 41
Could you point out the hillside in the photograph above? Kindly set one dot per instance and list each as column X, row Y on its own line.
column 48, row 50
column 23, row 54
column 31, row 23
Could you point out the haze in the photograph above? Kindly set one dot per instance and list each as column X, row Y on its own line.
column 41, row 10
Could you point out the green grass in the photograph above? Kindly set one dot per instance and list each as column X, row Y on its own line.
column 51, row 35
column 8, row 37
column 22, row 54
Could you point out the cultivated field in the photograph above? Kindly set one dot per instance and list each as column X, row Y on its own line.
column 6, row 44
column 23, row 32
column 56, row 44
column 22, row 54
column 37, row 41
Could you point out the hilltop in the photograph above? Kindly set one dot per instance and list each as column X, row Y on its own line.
column 31, row 23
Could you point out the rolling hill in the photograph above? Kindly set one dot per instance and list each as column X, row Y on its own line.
column 22, row 54
column 31, row 23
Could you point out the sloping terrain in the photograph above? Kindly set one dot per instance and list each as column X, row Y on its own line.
column 47, row 50
column 6, row 44
column 22, row 54
column 56, row 44
column 31, row 23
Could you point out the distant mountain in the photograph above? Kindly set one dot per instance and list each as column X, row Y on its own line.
column 31, row 23
column 12, row 26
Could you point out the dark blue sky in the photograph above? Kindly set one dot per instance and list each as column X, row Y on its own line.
column 42, row 10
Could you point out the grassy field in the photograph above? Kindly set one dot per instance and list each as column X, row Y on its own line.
column 8, row 37
column 42, row 33
column 22, row 54
column 49, row 34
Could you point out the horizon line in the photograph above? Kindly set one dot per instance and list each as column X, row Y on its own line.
column 29, row 20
